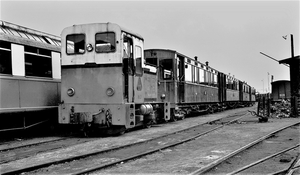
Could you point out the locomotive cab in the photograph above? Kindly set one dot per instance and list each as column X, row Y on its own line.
column 102, row 77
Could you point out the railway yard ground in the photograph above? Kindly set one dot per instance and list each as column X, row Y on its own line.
column 209, row 147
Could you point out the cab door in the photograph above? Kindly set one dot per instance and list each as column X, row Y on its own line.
column 128, row 68
column 180, row 78
column 139, row 90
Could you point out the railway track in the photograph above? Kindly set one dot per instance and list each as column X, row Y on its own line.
column 276, row 153
column 90, row 162
column 11, row 153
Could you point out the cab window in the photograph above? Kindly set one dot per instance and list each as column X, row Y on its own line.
column 105, row 42
column 75, row 44
column 166, row 69
column 138, row 70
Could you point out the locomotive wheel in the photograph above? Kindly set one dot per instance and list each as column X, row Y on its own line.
column 173, row 118
column 86, row 130
column 148, row 125
column 263, row 119
column 116, row 130
column 183, row 117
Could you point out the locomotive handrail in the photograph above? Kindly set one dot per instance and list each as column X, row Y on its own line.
column 24, row 127
column 25, row 109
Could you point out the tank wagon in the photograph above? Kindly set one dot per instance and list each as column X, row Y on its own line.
column 29, row 76
column 109, row 82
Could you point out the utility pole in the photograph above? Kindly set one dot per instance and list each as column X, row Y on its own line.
column 263, row 86
column 268, row 83
column 293, row 89
column 292, row 45
column 294, row 63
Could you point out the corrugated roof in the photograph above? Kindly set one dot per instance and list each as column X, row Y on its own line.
column 31, row 34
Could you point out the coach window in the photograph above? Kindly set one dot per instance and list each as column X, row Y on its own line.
column 193, row 73
column 197, row 75
column 188, row 71
column 202, row 75
column 105, row 42
column 228, row 82
column 216, row 79
column 5, row 55
column 207, row 77
column 75, row 43
column 38, row 62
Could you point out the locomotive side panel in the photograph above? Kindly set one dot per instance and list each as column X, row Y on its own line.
column 167, row 89
column 9, row 93
column 200, row 94
column 91, row 85
column 29, row 77
column 150, row 84
column 21, row 93
column 45, row 94
column 232, row 95
column 253, row 98
column 246, row 97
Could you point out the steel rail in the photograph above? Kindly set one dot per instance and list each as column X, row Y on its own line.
column 155, row 150
column 43, row 165
column 262, row 160
column 32, row 144
column 290, row 169
column 217, row 162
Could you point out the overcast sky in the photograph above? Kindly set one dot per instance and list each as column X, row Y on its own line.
column 228, row 34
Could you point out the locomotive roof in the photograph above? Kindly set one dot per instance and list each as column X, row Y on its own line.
column 10, row 29
column 113, row 25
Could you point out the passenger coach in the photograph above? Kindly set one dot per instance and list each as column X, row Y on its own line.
column 190, row 85
column 29, row 77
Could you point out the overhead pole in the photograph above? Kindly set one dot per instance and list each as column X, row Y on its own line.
column 293, row 89
column 292, row 45
column 274, row 58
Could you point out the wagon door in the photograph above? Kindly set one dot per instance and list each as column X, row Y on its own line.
column 241, row 88
column 139, row 90
column 222, row 87
column 180, row 72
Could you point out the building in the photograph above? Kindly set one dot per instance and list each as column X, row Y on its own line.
column 281, row 90
column 294, row 63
